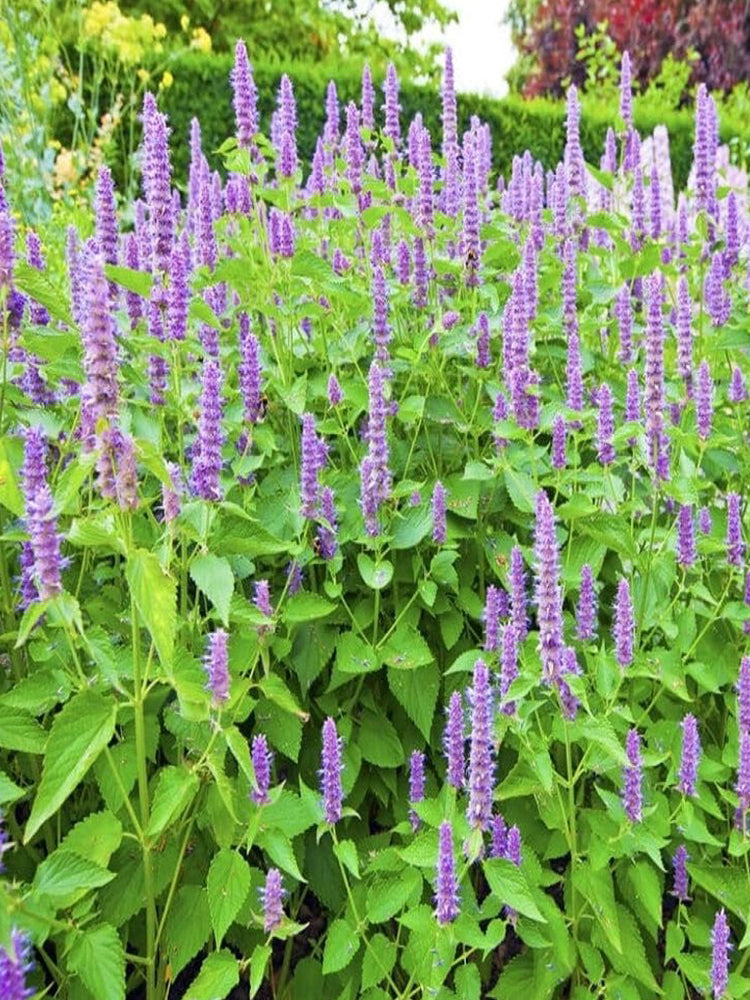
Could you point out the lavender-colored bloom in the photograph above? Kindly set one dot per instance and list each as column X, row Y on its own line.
column 353, row 149
column 216, row 663
column 735, row 544
column 294, row 577
column 272, row 895
column 380, row 328
column 327, row 543
column 742, row 787
column 37, row 313
column 375, row 473
column 623, row 627
column 586, row 609
column 286, row 145
column 626, row 95
column 624, row 316
column 686, row 554
column 605, row 426
column 513, row 852
column 574, row 373
column 737, row 389
column 559, row 458
column 262, row 758
column 704, row 392
column 439, row 527
column 105, row 219
column 178, row 294
column 517, row 579
column 679, row 867
column 403, row 263
column 100, row 391
column 717, row 298
column 446, row 889
column 262, row 597
column 312, row 461
column 632, row 778
column 704, row 521
column 416, row 786
column 249, row 372
column 499, row 844
column 632, row 402
column 330, row 772
column 483, row 341
column 171, row 493
column 133, row 301
column 335, row 395
column 14, row 965
column 470, row 241
column 491, row 617
column 548, row 592
column 453, row 741
column 368, row 98
column 426, row 206
column 654, row 399
column 40, row 519
column 481, row 764
column 421, row 278
column 508, row 667
column 245, row 97
column 743, row 696
column 206, row 456
column 720, row 953
column 117, row 470
column 704, row 150
column 573, row 155
column 691, row 752
column 157, row 173
column 392, row 129
column 684, row 331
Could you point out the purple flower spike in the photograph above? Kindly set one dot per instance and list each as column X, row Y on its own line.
column 691, row 752
column 481, row 764
column 559, row 458
column 14, row 965
column 624, row 316
column 262, row 598
column 262, row 758
column 330, row 773
column 508, row 667
column 453, row 741
column 335, row 395
column 272, row 895
column 686, row 554
column 632, row 778
column 683, row 323
column 499, row 845
column 586, row 610
column 735, row 544
column 626, row 95
column 35, row 258
column 439, row 528
column 368, row 98
column 517, row 578
column 392, row 129
column 416, row 786
column 106, row 219
column 327, row 541
column 737, row 388
column 720, row 956
column 249, row 372
column 380, row 328
column 310, row 467
column 171, row 493
column 491, row 616
column 157, row 185
column 654, row 400
column 623, row 628
column 743, row 696
column 514, row 846
column 704, row 521
column 548, row 593
column 206, row 456
column 245, row 97
column 217, row 666
column 704, row 391
column 679, row 867
column 446, row 889
column 605, row 426
column 742, row 788
column 41, row 522
column 483, row 341
column 99, row 398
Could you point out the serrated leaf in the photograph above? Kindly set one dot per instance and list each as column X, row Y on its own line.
column 354, row 655
column 379, row 742
column 79, row 733
column 342, row 944
column 375, row 575
column 213, row 576
column 139, row 282
column 306, row 608
column 228, row 885
column 155, row 596
column 96, row 837
column 521, row 490
column 219, row 974
column 98, row 957
column 346, row 852
column 410, row 529
column 509, row 885
column 20, row 731
column 64, row 872
column 280, row 850
column 406, row 649
column 176, row 788
column 188, row 926
column 387, row 895
column 258, row 962
column 378, row 961
column 417, row 693
column 39, row 286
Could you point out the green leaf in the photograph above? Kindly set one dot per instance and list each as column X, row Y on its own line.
column 521, row 490
column 417, row 693
column 346, row 852
column 597, row 888
column 354, row 655
column 155, row 596
column 188, row 927
column 379, row 960
column 258, row 962
column 376, row 575
column 342, row 944
column 379, row 742
column 647, row 888
column 134, row 281
column 386, row 895
column 78, row 735
column 213, row 576
column 10, row 493
column 64, row 872
column 281, row 852
column 20, row 731
column 406, row 649
column 306, row 608
column 274, row 688
column 219, row 974
column 9, row 790
column 728, row 886
column 176, row 788
column 38, row 285
column 96, row 837
column 509, row 884
column 228, row 885
column 98, row 958
column 410, row 529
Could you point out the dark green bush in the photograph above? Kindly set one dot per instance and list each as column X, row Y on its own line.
column 201, row 86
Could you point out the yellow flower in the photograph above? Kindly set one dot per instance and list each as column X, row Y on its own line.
column 184, row 22
column 160, row 30
column 200, row 40
column 58, row 92
column 143, row 75
column 167, row 79
column 65, row 169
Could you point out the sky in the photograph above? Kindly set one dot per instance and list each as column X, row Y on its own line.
column 482, row 48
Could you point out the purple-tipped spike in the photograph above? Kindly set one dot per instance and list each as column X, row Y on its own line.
column 245, row 97
column 481, row 763
column 453, row 741
column 586, row 610
column 272, row 895
column 416, row 785
column 743, row 696
column 517, row 579
column 691, row 752
column 605, row 426
column 686, row 554
column 548, row 592
column 679, row 868
column 330, row 773
column 206, row 455
column 262, row 597
column 720, row 948
column 735, row 544
column 439, row 526
column 446, row 889
column 623, row 628
column 632, row 778
column 704, row 392
column 217, row 666
column 262, row 758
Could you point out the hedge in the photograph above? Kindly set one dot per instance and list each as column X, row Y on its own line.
column 201, row 87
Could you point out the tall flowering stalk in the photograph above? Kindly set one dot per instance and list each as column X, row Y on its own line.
column 586, row 610
column 517, row 580
column 743, row 695
column 100, row 394
column 735, row 543
column 481, row 763
column 245, row 98
column 272, row 896
column 416, row 786
column 654, row 400
column 742, row 787
column 679, row 868
column 206, row 455
column 453, row 741
column 14, row 966
column 720, row 948
column 623, row 628
column 330, row 773
column 446, row 887
column 686, row 553
column 691, row 752
column 439, row 526
column 375, row 475
column 217, row 666
column 548, row 592
column 261, row 758
column 43, row 563
column 508, row 667
column 632, row 778
column 605, row 426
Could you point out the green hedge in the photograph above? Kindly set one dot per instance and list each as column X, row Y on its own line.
column 201, row 87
